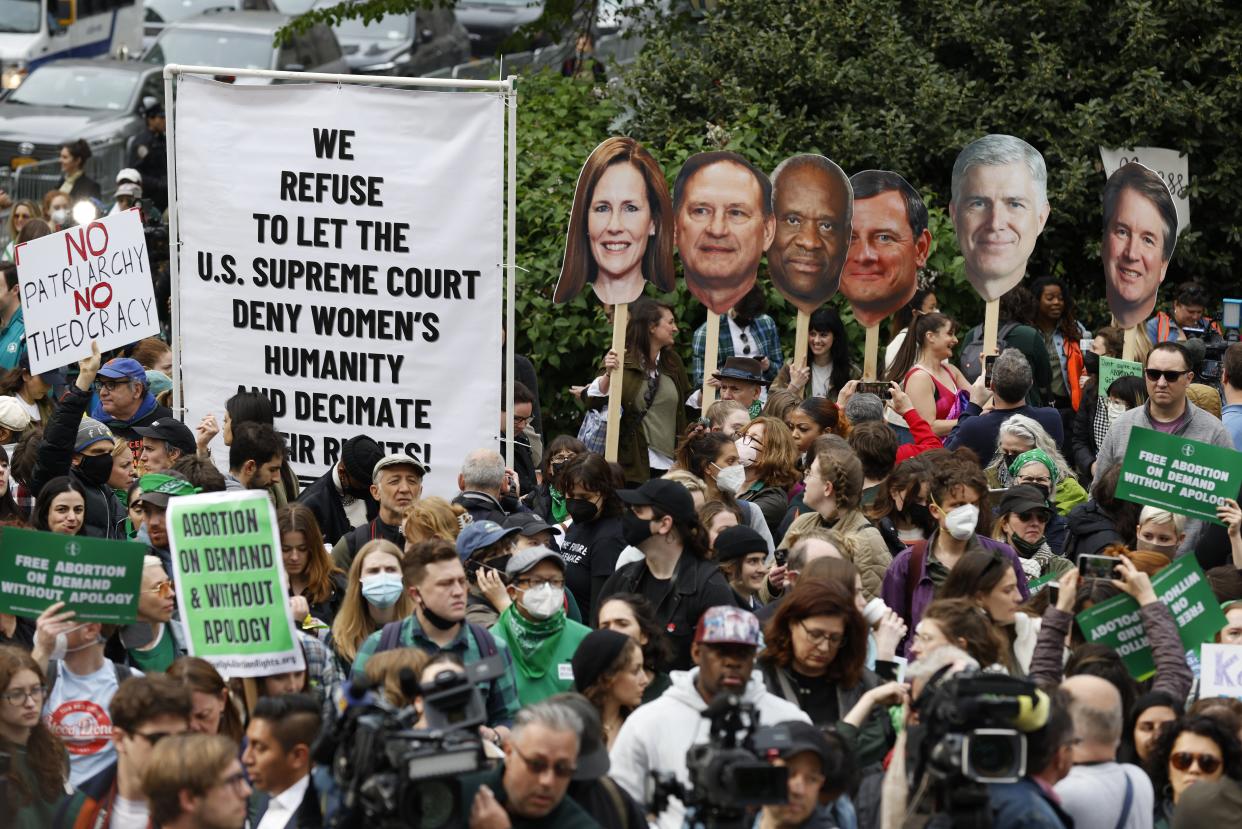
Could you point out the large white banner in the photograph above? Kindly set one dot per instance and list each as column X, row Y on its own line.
column 342, row 251
column 86, row 283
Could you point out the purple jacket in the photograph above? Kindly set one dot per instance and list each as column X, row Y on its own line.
column 893, row 590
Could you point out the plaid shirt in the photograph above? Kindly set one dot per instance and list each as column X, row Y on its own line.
column 767, row 343
column 500, row 694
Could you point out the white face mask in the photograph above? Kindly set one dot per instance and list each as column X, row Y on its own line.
column 1116, row 409
column 747, row 452
column 544, row 601
column 61, row 215
column 961, row 521
column 730, row 479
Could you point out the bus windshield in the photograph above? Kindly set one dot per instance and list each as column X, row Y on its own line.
column 23, row 16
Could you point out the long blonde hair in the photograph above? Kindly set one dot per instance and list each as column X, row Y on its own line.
column 353, row 622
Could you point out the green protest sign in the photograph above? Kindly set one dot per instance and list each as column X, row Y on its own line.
column 1178, row 474
column 96, row 578
column 1185, row 591
column 231, row 584
column 1112, row 369
column 1036, row 585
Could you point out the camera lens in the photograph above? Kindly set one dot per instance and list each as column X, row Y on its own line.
column 991, row 755
column 429, row 804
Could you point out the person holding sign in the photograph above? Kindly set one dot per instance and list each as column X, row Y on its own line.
column 999, row 208
column 1167, row 374
column 812, row 199
column 889, row 243
column 620, row 226
column 1140, row 232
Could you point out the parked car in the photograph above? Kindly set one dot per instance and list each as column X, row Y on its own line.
column 35, row 32
column 411, row 44
column 159, row 13
column 99, row 100
column 489, row 22
column 246, row 40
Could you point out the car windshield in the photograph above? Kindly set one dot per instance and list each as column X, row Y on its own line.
column 207, row 47
column 171, row 11
column 295, row 6
column 389, row 27
column 20, row 15
column 78, row 87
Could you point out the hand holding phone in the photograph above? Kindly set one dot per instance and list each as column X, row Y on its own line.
column 1097, row 567
column 880, row 389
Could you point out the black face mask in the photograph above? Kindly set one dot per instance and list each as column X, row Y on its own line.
column 96, row 469
column 634, row 529
column 1007, row 458
column 438, row 621
column 581, row 510
column 556, row 466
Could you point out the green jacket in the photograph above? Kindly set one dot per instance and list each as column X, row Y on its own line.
column 566, row 815
column 542, row 652
column 632, row 441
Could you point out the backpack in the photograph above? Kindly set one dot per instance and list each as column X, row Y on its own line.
column 390, row 638
column 971, row 359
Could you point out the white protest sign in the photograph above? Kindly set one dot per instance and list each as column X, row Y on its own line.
column 1220, row 674
column 1170, row 165
column 86, row 283
column 342, row 253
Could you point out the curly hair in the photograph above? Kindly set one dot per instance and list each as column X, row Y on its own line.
column 819, row 597
column 45, row 753
column 600, row 688
column 298, row 518
column 1204, row 726
column 779, row 464
column 840, row 466
column 699, row 450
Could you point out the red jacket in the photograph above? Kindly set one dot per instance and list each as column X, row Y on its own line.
column 924, row 437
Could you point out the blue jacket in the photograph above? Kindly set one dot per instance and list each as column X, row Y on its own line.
column 1023, row 805
column 12, row 340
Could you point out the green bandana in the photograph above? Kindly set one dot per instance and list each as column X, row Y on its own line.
column 156, row 482
column 559, row 513
column 1032, row 456
column 534, row 642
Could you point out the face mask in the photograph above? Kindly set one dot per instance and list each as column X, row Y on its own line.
column 581, row 510
column 961, row 521
column 556, row 466
column 747, row 453
column 60, row 216
column 634, row 529
column 382, row 590
column 730, row 479
column 1025, row 548
column 437, row 621
column 1116, row 409
column 96, row 469
column 1007, row 458
column 544, row 601
column 1169, row 550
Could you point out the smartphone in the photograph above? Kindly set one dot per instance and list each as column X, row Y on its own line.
column 988, row 362
column 781, row 557
column 1054, row 592
column 881, row 390
column 1097, row 567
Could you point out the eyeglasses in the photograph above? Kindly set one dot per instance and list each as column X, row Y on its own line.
column 1170, row 376
column 531, row 584
column 153, row 737
column 236, row 782
column 539, row 766
column 164, row 589
column 751, row 440
column 564, row 457
column 521, row 421
column 1036, row 480
column 18, row 696
column 818, row 637
column 110, row 385
column 1035, row 515
column 1183, row 760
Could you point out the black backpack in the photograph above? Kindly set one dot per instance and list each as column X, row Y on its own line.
column 390, row 638
column 971, row 359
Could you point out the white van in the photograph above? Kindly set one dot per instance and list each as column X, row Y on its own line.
column 34, row 32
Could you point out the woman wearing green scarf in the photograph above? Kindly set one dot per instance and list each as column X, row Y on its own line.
column 1026, row 454
column 1037, row 468
column 541, row 638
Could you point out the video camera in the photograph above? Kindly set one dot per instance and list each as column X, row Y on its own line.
column 393, row 775
column 731, row 774
column 970, row 732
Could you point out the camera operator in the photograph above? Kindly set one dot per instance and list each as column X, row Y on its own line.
column 528, row 788
column 1031, row 803
column 1231, row 386
column 657, row 735
column 1189, row 304
column 277, row 758
column 821, row 769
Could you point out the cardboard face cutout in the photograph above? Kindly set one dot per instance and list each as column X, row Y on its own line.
column 620, row 226
column 999, row 208
column 1140, row 233
column 722, row 226
column 812, row 200
column 889, row 242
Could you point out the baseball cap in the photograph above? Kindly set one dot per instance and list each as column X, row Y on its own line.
column 130, row 175
column 1022, row 498
column 802, row 736
column 738, row 542
column 12, row 416
column 522, row 561
column 158, row 487
column 396, row 460
column 669, row 497
column 171, row 430
column 527, row 523
column 90, row 432
column 480, row 534
column 128, row 188
column 124, row 368
column 727, row 625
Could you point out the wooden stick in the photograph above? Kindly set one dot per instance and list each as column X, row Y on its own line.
column 1130, row 344
column 620, row 318
column 711, row 352
column 801, row 335
column 991, row 321
column 871, row 351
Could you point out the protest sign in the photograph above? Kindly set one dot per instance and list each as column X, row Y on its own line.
column 1172, row 166
column 1184, row 590
column 231, row 583
column 96, row 578
column 1178, row 474
column 342, row 254
column 1221, row 675
column 1113, row 369
column 86, row 283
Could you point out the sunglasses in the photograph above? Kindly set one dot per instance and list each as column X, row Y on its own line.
column 164, row 589
column 1170, row 376
column 1183, row 760
column 539, row 766
column 1031, row 514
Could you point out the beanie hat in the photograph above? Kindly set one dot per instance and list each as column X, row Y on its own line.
column 738, row 542
column 361, row 454
column 595, row 655
column 90, row 432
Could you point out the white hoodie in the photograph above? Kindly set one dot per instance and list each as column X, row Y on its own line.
column 657, row 736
